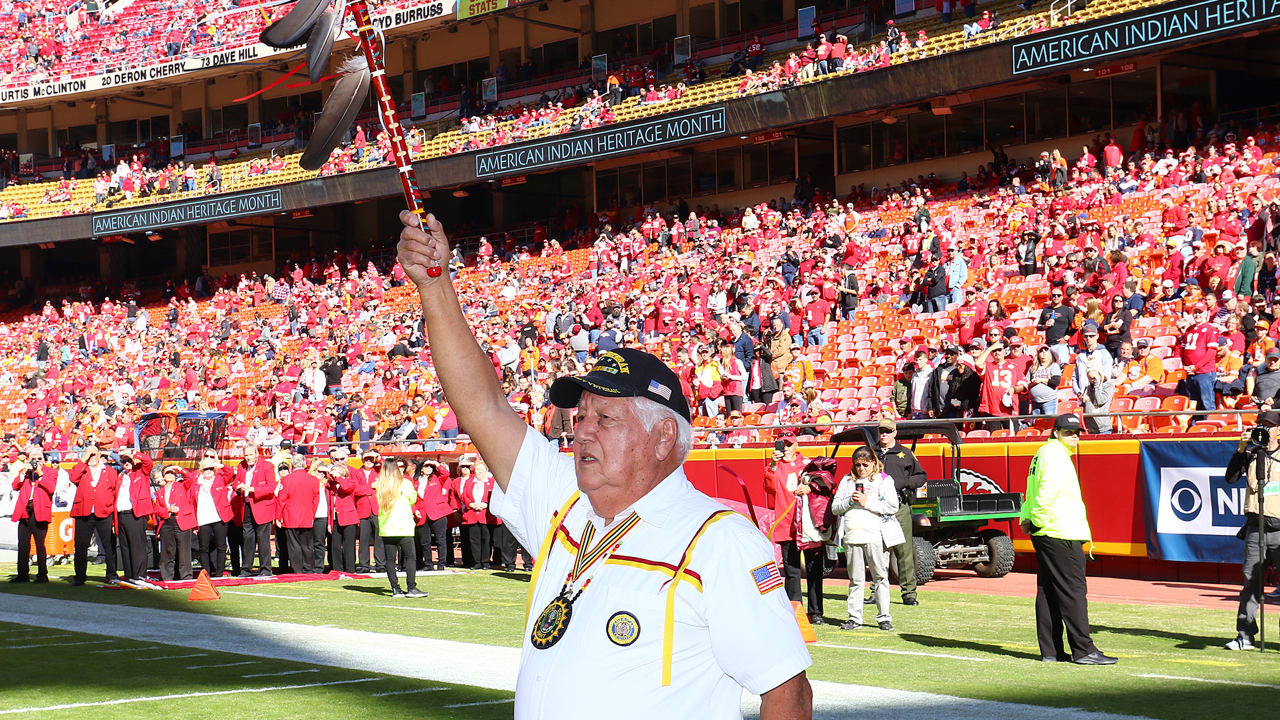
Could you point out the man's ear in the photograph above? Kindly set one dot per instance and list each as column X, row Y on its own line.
column 668, row 433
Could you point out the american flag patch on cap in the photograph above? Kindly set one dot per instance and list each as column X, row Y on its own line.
column 658, row 388
column 767, row 578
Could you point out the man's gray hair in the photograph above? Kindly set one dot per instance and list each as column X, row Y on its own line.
column 650, row 412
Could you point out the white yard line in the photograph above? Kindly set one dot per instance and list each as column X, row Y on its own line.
column 1243, row 683
column 482, row 702
column 407, row 692
column 265, row 595
column 58, row 644
column 456, row 663
column 222, row 665
column 171, row 657
column 282, row 672
column 144, row 648
column 179, row 696
column 966, row 658
column 434, row 610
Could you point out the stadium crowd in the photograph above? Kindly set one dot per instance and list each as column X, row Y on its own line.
column 484, row 124
column 1117, row 277
column 57, row 40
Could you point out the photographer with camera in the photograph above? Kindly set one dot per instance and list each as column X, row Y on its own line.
column 1257, row 459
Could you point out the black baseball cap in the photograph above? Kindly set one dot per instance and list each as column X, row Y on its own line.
column 1067, row 422
column 1270, row 418
column 624, row 372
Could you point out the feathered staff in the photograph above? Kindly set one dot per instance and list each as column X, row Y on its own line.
column 321, row 26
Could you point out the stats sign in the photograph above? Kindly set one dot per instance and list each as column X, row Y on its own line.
column 1102, row 40
column 474, row 8
column 189, row 212
column 581, row 147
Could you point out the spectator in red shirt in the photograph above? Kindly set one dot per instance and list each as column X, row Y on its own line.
column 1173, row 218
column 1087, row 161
column 1199, row 358
column 755, row 53
column 816, row 314
column 999, row 378
column 968, row 316
column 1112, row 154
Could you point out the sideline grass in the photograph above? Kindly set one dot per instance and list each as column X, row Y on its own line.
column 959, row 644
column 111, row 679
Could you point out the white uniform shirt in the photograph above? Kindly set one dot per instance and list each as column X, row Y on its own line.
column 124, row 501
column 206, row 511
column 727, row 634
column 322, row 507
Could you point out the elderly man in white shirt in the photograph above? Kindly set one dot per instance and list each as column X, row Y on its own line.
column 647, row 595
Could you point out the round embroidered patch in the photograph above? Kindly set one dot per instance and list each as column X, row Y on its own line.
column 623, row 628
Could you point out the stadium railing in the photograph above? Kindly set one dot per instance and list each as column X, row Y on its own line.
column 1038, row 429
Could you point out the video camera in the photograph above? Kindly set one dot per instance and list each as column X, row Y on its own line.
column 1258, row 439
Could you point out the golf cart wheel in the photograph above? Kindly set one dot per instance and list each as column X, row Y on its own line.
column 1000, row 552
column 925, row 562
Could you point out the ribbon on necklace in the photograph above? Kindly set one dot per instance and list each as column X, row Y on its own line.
column 588, row 556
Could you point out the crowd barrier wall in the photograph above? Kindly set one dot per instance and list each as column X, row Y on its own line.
column 1110, row 477
column 1110, row 470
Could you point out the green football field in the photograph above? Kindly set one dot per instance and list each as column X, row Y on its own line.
column 81, row 677
column 973, row 646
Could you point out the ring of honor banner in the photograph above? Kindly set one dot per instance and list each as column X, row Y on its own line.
column 1192, row 514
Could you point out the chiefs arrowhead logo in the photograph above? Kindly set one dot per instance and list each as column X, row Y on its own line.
column 974, row 483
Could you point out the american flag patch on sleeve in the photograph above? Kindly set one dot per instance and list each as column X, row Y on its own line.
column 767, row 578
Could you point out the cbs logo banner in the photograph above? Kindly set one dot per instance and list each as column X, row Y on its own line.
column 1198, row 501
column 1192, row 514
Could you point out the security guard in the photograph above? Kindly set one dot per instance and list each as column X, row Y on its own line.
column 901, row 465
column 648, row 598
column 1054, row 516
column 1243, row 464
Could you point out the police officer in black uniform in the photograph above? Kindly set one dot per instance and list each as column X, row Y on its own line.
column 901, row 465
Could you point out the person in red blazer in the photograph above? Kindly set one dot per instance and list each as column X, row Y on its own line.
column 94, row 510
column 367, row 507
column 254, row 480
column 344, row 519
column 503, row 542
column 209, row 492
column 33, row 510
column 296, row 503
column 475, row 490
column 134, row 508
column 175, row 515
column 437, row 500
column 235, row 531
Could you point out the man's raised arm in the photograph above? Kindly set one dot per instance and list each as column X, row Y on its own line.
column 465, row 372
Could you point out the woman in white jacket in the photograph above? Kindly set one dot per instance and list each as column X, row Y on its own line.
column 866, row 503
